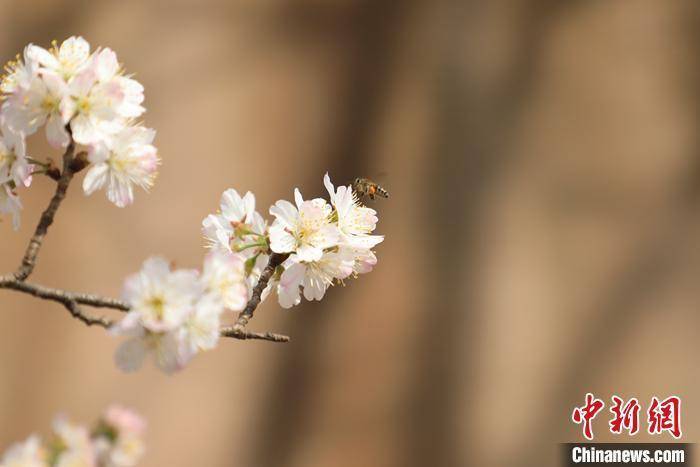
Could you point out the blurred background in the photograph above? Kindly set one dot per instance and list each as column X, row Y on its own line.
column 542, row 236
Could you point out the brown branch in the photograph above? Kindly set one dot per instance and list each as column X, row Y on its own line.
column 29, row 260
column 58, row 295
column 69, row 300
column 77, row 313
column 73, row 300
column 247, row 314
column 243, row 334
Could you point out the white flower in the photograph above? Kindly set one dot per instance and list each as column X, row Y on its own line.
column 219, row 229
column 365, row 260
column 121, row 161
column 68, row 85
column 304, row 229
column 100, row 99
column 125, row 451
column 217, row 232
column 161, row 302
column 13, row 158
column 355, row 221
column 26, row 454
column 160, row 298
column 237, row 209
column 9, row 203
column 224, row 275
column 201, row 329
column 119, row 440
column 36, row 103
column 315, row 277
column 67, row 60
column 76, row 447
column 131, row 353
column 239, row 227
column 19, row 72
column 172, row 349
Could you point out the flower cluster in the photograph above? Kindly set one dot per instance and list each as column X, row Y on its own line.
column 116, row 441
column 79, row 96
column 325, row 242
column 177, row 313
column 83, row 97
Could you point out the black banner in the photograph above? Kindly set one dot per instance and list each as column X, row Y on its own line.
column 664, row 454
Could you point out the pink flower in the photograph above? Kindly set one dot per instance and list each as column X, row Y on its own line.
column 124, row 420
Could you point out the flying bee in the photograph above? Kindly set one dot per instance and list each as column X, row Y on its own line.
column 366, row 187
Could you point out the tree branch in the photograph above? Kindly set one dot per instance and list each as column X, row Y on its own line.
column 247, row 314
column 58, row 295
column 29, row 260
column 77, row 313
column 73, row 300
column 70, row 300
column 243, row 334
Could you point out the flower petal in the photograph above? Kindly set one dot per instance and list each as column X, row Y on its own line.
column 95, row 178
column 329, row 187
column 56, row 132
column 286, row 213
column 288, row 288
column 130, row 354
column 281, row 241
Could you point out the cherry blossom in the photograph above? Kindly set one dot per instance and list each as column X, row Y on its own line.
column 141, row 342
column 65, row 60
column 9, row 202
column 85, row 98
column 99, row 99
column 161, row 298
column 37, row 103
column 19, row 72
column 28, row 453
column 118, row 438
column 314, row 277
column 355, row 221
column 236, row 219
column 13, row 158
column 120, row 162
column 305, row 229
column 201, row 329
column 224, row 276
column 115, row 441
column 73, row 447
column 176, row 314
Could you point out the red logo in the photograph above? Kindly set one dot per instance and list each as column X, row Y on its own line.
column 662, row 416
column 665, row 416
column 626, row 416
column 587, row 413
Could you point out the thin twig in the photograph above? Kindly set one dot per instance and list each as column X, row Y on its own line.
column 29, row 260
column 247, row 314
column 243, row 334
column 77, row 313
column 59, row 295
column 69, row 300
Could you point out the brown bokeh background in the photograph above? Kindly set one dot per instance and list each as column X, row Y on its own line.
column 542, row 238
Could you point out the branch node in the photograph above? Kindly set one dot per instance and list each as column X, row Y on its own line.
column 79, row 162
